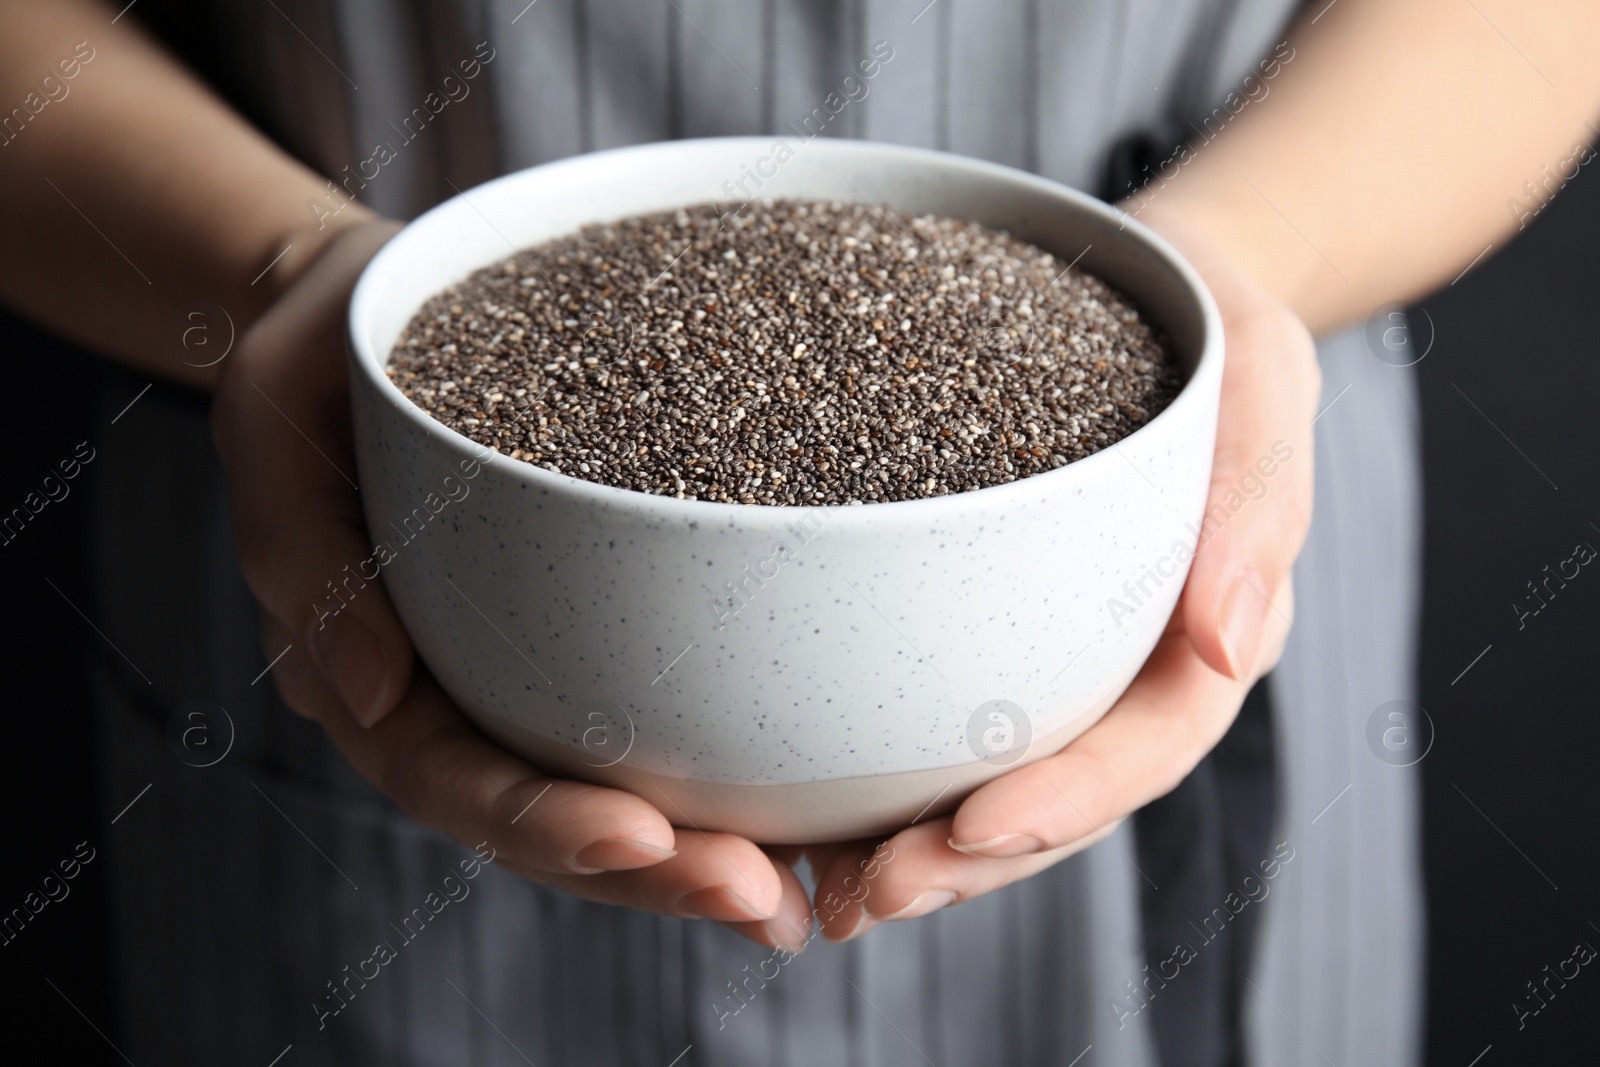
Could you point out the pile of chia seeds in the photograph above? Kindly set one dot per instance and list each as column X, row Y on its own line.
column 796, row 352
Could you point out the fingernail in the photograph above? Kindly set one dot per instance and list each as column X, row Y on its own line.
column 1003, row 847
column 620, row 854
column 1243, row 612
column 354, row 662
column 926, row 903
column 720, row 902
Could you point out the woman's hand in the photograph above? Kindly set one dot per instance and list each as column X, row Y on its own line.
column 282, row 424
column 1228, row 630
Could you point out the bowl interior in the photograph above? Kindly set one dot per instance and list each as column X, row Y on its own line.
column 493, row 221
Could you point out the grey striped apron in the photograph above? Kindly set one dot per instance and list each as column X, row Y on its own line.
column 252, row 894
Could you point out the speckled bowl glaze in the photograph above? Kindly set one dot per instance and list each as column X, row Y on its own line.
column 789, row 674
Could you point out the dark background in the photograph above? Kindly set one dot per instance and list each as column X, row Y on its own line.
column 1513, row 873
column 1518, row 734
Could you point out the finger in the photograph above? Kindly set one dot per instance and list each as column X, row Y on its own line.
column 1259, row 506
column 713, row 876
column 299, row 681
column 927, row 875
column 282, row 425
column 791, row 929
column 446, row 775
column 568, row 834
column 840, row 907
column 853, row 878
column 1280, row 620
column 1175, row 711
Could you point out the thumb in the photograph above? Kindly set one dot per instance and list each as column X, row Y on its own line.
column 1258, row 510
column 282, row 425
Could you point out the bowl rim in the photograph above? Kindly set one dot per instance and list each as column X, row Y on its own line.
column 369, row 365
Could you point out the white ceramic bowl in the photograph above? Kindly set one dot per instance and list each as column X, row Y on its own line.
column 884, row 660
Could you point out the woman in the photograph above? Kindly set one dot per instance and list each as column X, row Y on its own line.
column 1314, row 165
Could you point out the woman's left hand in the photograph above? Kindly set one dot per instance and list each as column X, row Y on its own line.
column 1228, row 630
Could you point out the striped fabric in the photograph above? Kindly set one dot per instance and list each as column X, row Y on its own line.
column 249, row 893
column 1344, row 938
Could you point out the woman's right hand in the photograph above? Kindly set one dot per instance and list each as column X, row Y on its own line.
column 282, row 424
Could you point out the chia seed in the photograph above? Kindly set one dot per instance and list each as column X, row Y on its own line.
column 796, row 353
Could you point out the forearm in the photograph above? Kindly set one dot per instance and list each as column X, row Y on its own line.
column 1382, row 158
column 136, row 191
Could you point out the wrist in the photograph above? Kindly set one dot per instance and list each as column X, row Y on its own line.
column 292, row 252
column 335, row 253
column 1244, row 233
